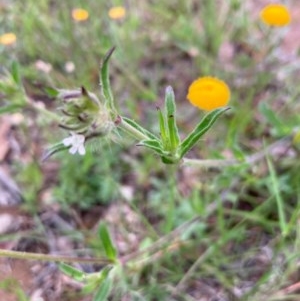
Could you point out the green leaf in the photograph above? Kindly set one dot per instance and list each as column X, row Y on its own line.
column 276, row 190
column 95, row 280
column 54, row 149
column 203, row 126
column 72, row 272
column 15, row 72
column 10, row 108
column 153, row 145
column 163, row 129
column 91, row 286
column 104, row 290
column 170, row 107
column 109, row 248
column 104, row 80
column 140, row 128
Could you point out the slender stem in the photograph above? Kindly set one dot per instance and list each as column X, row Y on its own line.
column 271, row 149
column 131, row 130
column 171, row 175
column 52, row 258
column 209, row 163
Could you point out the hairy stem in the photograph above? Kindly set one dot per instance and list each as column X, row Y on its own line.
column 50, row 258
column 132, row 131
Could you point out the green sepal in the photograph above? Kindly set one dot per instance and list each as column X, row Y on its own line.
column 168, row 160
column 107, row 243
column 72, row 272
column 139, row 128
column 94, row 102
column 153, row 145
column 203, row 126
column 105, row 82
column 78, row 100
column 170, row 110
column 58, row 147
column 104, row 290
column 66, row 94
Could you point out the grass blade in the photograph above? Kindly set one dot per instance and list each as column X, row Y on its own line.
column 279, row 201
column 104, row 290
column 109, row 248
column 15, row 72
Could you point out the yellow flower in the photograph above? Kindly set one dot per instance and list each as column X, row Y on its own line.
column 117, row 12
column 79, row 14
column 208, row 93
column 8, row 39
column 275, row 15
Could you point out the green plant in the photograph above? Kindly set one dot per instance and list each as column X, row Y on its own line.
column 87, row 117
column 95, row 182
column 226, row 224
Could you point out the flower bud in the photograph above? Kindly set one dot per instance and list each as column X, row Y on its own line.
column 84, row 113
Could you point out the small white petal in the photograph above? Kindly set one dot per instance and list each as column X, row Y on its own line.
column 76, row 142
column 68, row 141
column 81, row 150
column 73, row 149
column 80, row 139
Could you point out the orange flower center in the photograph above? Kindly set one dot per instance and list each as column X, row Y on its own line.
column 79, row 14
column 117, row 12
column 8, row 39
column 275, row 15
column 208, row 93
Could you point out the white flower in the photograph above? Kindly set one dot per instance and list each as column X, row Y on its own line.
column 76, row 142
